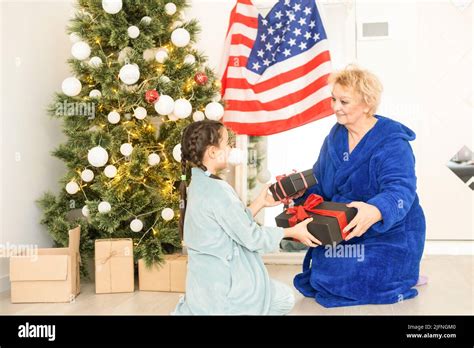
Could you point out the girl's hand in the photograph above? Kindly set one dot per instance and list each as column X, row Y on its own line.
column 265, row 199
column 367, row 215
column 300, row 232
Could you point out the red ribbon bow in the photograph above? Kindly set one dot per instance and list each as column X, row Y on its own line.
column 300, row 213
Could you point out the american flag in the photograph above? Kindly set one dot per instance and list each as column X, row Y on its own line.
column 275, row 68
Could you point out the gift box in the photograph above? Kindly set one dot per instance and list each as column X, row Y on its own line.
column 169, row 276
column 289, row 185
column 329, row 219
column 50, row 275
column 114, row 265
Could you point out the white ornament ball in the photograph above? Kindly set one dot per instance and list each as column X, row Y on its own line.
column 146, row 20
column 98, row 156
column 126, row 149
column 236, row 157
column 177, row 153
column 71, row 86
column 87, row 175
column 133, row 32
column 198, row 116
column 112, row 6
column 140, row 113
column 85, row 211
column 72, row 187
column 129, row 74
column 95, row 93
column 73, row 37
column 164, row 105
column 113, row 117
column 217, row 98
column 167, row 214
column 189, row 59
column 182, row 108
column 110, row 171
column 170, row 9
column 153, row 159
column 136, row 225
column 180, row 37
column 95, row 62
column 214, row 111
column 104, row 207
column 81, row 50
column 264, row 176
column 161, row 55
column 164, row 79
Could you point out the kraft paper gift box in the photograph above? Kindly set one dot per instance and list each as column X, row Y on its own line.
column 169, row 276
column 289, row 185
column 326, row 228
column 52, row 275
column 114, row 265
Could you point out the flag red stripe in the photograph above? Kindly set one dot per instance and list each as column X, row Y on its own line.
column 280, row 103
column 318, row 111
column 240, row 83
column 238, row 39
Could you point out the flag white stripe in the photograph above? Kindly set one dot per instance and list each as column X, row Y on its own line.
column 247, row 10
column 282, row 114
column 281, row 90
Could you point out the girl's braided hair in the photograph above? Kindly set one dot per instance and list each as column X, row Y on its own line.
column 197, row 137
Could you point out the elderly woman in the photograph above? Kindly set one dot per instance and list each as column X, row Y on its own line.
column 366, row 161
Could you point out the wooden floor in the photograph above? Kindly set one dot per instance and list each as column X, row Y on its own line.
column 449, row 291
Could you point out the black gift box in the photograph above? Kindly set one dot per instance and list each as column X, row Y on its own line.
column 324, row 228
column 292, row 184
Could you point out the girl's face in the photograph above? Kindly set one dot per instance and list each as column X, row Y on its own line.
column 219, row 155
column 348, row 106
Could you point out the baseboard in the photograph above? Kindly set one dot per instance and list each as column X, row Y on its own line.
column 4, row 283
column 431, row 248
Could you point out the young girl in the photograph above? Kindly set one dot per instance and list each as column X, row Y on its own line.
column 226, row 274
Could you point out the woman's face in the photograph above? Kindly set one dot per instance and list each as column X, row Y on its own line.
column 348, row 106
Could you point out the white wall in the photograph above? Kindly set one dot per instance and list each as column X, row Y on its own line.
column 426, row 69
column 34, row 50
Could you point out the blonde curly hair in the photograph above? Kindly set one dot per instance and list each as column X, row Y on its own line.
column 362, row 82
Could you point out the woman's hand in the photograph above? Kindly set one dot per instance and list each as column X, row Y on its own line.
column 298, row 194
column 300, row 232
column 367, row 215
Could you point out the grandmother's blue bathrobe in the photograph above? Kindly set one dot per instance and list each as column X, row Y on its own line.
column 379, row 171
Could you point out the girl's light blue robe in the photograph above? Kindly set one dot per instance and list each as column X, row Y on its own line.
column 385, row 261
column 226, row 274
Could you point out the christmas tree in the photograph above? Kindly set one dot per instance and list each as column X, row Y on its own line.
column 136, row 83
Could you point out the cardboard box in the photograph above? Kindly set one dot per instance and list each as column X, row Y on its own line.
column 292, row 184
column 324, row 228
column 169, row 276
column 114, row 265
column 52, row 275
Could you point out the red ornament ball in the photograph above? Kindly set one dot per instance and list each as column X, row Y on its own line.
column 201, row 78
column 151, row 96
